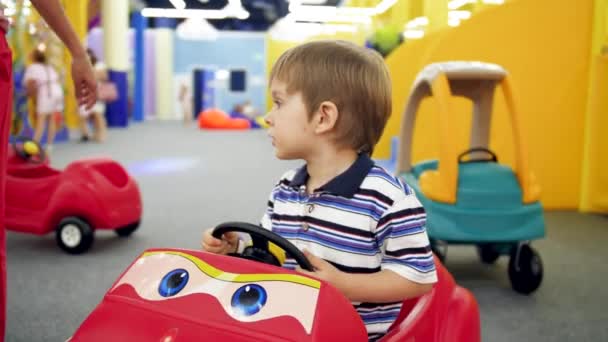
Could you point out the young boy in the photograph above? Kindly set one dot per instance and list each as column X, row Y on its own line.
column 361, row 228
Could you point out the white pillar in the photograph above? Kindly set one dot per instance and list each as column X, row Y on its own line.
column 164, row 73
column 115, row 23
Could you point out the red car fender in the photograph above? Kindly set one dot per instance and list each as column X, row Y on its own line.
column 468, row 326
column 116, row 191
column 447, row 313
column 418, row 322
column 76, row 196
column 326, row 328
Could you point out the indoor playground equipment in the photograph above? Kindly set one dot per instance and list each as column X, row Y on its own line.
column 90, row 194
column 181, row 295
column 385, row 39
column 469, row 197
column 216, row 119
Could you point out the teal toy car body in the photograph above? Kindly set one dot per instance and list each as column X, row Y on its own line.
column 469, row 197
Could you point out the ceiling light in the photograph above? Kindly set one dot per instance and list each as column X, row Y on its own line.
column 413, row 34
column 337, row 14
column 193, row 13
column 179, row 4
column 384, row 6
column 453, row 22
column 330, row 17
column 461, row 15
column 456, row 4
column 234, row 9
column 417, row 22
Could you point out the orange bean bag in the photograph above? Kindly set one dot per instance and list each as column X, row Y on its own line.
column 217, row 119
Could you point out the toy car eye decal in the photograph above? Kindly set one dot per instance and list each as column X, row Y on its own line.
column 248, row 300
column 165, row 278
column 173, row 282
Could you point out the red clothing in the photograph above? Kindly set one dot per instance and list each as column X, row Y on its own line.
column 3, row 21
column 6, row 97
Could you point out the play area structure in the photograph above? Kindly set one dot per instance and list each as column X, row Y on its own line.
column 471, row 198
column 90, row 194
column 181, row 295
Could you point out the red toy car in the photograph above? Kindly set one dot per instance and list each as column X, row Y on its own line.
column 181, row 295
column 90, row 194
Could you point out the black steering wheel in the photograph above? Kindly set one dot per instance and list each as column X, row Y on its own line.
column 260, row 237
column 492, row 156
column 20, row 144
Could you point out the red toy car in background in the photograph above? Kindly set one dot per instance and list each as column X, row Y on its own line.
column 89, row 195
column 182, row 295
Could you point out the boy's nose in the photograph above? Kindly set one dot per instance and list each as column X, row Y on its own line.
column 267, row 119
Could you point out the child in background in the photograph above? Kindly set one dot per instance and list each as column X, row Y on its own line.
column 42, row 85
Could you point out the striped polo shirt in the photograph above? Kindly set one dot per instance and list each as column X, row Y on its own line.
column 363, row 221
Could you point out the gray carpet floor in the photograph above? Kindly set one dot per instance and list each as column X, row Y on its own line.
column 191, row 180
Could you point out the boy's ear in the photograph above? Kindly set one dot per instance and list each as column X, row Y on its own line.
column 326, row 118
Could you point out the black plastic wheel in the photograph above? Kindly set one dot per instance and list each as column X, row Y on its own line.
column 128, row 230
column 525, row 269
column 487, row 254
column 74, row 235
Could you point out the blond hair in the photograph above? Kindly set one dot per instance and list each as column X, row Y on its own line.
column 354, row 78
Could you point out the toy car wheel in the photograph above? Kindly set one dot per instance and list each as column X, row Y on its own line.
column 525, row 269
column 487, row 253
column 128, row 230
column 74, row 235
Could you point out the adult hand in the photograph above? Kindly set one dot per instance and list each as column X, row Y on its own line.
column 85, row 85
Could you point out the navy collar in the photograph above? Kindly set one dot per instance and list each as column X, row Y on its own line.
column 345, row 184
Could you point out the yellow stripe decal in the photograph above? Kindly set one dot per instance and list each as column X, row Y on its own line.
column 240, row 278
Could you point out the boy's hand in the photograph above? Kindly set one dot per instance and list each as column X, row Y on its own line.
column 228, row 243
column 323, row 270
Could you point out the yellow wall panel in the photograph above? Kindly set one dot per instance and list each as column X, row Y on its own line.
column 548, row 61
column 594, row 187
column 76, row 11
column 597, row 174
column 437, row 12
column 275, row 48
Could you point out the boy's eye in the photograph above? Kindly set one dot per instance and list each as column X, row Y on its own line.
column 277, row 103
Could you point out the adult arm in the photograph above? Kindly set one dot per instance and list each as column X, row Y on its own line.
column 85, row 85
